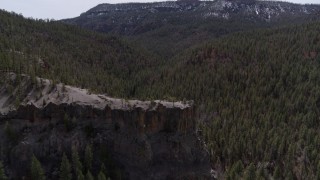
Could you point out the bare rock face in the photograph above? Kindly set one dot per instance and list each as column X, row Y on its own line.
column 144, row 140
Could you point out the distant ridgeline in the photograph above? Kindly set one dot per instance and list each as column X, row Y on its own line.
column 169, row 27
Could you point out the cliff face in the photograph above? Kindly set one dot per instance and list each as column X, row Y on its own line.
column 144, row 140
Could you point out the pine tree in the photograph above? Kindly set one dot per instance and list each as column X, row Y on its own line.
column 65, row 168
column 37, row 173
column 80, row 176
column 67, row 122
column 289, row 176
column 260, row 173
column 104, row 169
column 88, row 157
column 250, row 173
column 89, row 176
column 236, row 170
column 277, row 173
column 238, row 167
column 76, row 163
column 318, row 171
column 101, row 176
column 2, row 173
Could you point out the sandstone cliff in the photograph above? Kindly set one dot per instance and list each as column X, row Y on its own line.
column 142, row 139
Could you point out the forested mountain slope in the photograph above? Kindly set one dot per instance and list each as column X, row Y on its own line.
column 69, row 54
column 45, row 124
column 257, row 92
column 169, row 27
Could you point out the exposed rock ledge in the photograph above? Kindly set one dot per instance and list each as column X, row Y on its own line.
column 147, row 140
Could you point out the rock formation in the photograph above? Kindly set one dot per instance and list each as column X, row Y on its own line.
column 143, row 139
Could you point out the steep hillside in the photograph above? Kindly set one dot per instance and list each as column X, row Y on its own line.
column 169, row 27
column 256, row 92
column 259, row 93
column 54, row 122
column 69, row 54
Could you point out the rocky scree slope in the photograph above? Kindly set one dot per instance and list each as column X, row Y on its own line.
column 145, row 140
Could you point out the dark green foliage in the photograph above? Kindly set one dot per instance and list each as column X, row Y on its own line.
column 76, row 163
column 170, row 30
column 65, row 168
column 108, row 167
column 277, row 173
column 88, row 157
column 36, row 171
column 68, row 123
column 72, row 55
column 249, row 173
column 2, row 172
column 318, row 171
column 257, row 93
column 89, row 176
column 101, row 176
column 10, row 132
column 80, row 175
column 104, row 169
column 236, row 171
column 260, row 174
column 260, row 92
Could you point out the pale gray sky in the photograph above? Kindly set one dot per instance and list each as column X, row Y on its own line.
column 60, row 9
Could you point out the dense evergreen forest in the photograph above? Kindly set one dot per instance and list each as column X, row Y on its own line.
column 167, row 28
column 257, row 93
column 74, row 56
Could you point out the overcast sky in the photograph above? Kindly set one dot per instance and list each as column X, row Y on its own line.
column 60, row 9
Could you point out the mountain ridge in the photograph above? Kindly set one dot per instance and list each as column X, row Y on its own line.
column 166, row 28
column 211, row 9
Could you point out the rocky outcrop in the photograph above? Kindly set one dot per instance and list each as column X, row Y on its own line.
column 144, row 140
